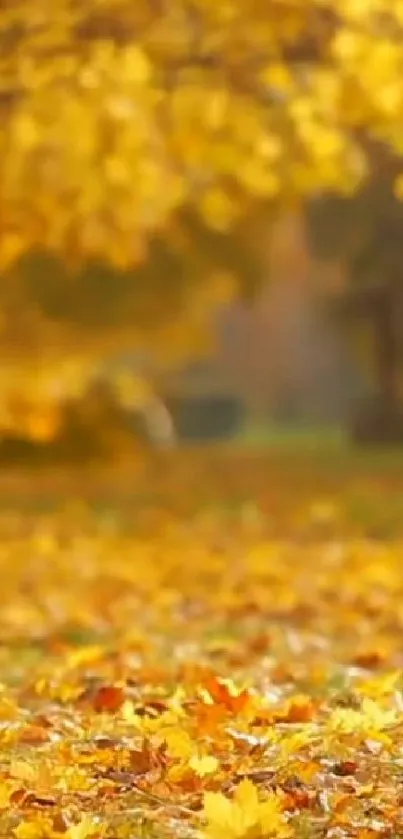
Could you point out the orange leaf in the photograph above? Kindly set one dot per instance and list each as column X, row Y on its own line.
column 298, row 709
column 224, row 693
column 108, row 698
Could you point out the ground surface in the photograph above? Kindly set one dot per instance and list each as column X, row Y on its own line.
column 208, row 645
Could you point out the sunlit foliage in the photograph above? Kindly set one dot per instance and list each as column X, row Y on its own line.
column 118, row 118
column 115, row 114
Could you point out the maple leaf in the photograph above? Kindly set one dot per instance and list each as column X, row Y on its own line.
column 23, row 770
column 298, row 709
column 179, row 743
column 88, row 826
column 383, row 685
column 370, row 720
column 29, row 830
column 204, row 764
column 224, row 692
column 245, row 816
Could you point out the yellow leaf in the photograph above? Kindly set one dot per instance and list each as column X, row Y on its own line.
column 86, row 827
column 384, row 685
column 218, row 209
column 368, row 721
column 218, row 814
column 377, row 716
column 245, row 817
column 29, row 830
column 23, row 771
column 277, row 77
column 5, row 793
column 84, row 655
column 178, row 742
column 272, row 818
column 205, row 765
column 349, row 46
column 294, row 742
column 258, row 177
column 134, row 65
column 246, row 796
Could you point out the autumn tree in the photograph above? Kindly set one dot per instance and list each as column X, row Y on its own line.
column 364, row 234
column 130, row 131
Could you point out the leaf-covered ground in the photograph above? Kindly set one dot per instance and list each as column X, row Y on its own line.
column 212, row 648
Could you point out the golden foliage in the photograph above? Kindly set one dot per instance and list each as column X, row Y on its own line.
column 245, row 816
column 115, row 114
column 121, row 120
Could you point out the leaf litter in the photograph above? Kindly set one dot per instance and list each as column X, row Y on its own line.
column 201, row 675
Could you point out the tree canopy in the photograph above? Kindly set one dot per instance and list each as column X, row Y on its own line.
column 116, row 114
column 138, row 138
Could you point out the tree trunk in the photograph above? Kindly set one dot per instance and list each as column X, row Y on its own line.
column 386, row 349
column 379, row 420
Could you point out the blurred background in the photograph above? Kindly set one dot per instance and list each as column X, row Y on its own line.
column 315, row 353
column 200, row 239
